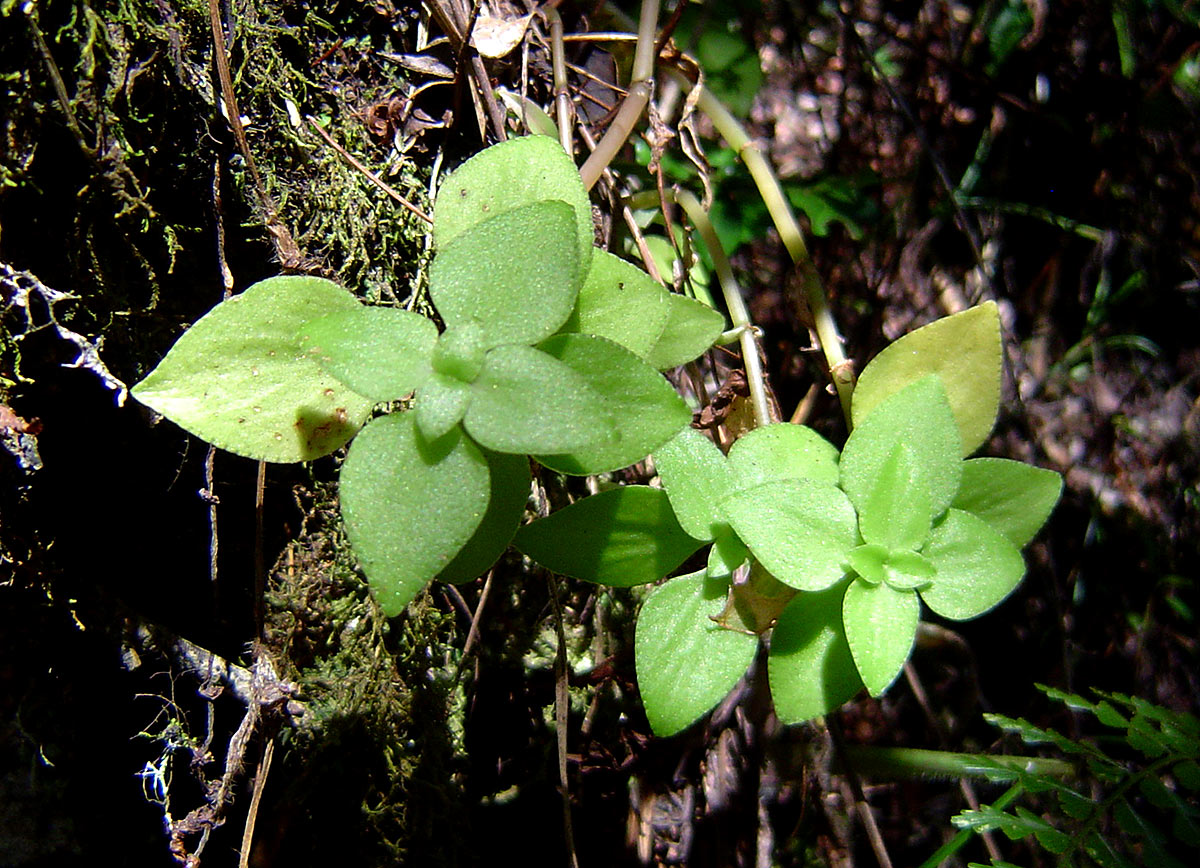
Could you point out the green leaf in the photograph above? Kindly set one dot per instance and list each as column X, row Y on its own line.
column 642, row 405
column 976, row 567
column 441, row 404
column 783, row 451
column 881, row 624
column 622, row 537
column 527, row 401
column 868, row 560
column 237, row 379
column 907, row 571
column 410, row 505
column 696, row 477
column 380, row 352
column 896, row 512
column 692, row 327
column 727, row 554
column 509, row 485
column 964, row 350
column 800, row 530
column 509, row 175
column 460, row 352
column 1014, row 498
column 516, row 275
column 811, row 669
column 919, row 417
column 620, row 302
column 686, row 663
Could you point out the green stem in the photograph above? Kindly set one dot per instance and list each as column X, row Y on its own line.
column 733, row 301
column 558, row 59
column 902, row 762
column 841, row 369
column 634, row 103
column 956, row 843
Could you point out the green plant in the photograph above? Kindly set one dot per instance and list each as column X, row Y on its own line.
column 1131, row 801
column 836, row 552
column 550, row 349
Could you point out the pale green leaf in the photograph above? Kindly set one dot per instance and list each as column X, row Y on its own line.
column 526, row 401
column 460, row 352
column 509, row 480
column 1014, row 498
column 881, row 624
column 515, row 275
column 976, row 567
column 622, row 537
column 696, row 477
column 441, row 404
column 964, row 350
column 508, row 175
column 919, row 417
column 692, row 327
column 380, row 352
column 238, row 379
column 783, row 451
column 907, row 571
column 800, row 530
column 868, row 560
column 620, row 302
column 896, row 510
column 727, row 554
column 811, row 669
column 685, row 662
column 410, row 505
column 643, row 407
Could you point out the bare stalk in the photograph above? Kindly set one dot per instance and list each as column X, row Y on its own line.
column 635, row 101
column 733, row 301
column 841, row 369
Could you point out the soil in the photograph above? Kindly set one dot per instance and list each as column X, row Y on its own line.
column 190, row 659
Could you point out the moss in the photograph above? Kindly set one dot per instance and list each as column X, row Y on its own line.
column 374, row 745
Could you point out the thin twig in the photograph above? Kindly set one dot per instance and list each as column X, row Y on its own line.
column 285, row 245
column 860, row 801
column 260, row 782
column 561, row 700
column 371, row 176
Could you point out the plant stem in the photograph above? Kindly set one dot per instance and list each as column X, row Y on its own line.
column 903, row 762
column 562, row 99
column 956, row 843
column 733, row 301
column 841, row 369
column 634, row 103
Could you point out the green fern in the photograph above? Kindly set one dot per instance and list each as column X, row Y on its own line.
column 1133, row 801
